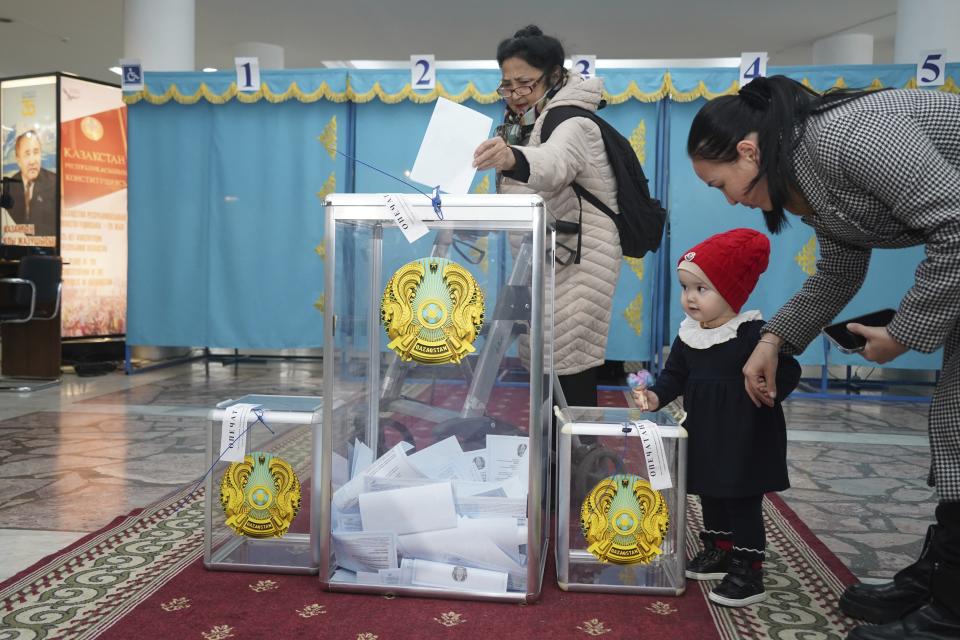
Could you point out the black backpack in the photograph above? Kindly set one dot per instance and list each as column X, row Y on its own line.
column 641, row 218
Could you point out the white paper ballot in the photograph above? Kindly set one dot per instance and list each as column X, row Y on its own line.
column 365, row 550
column 491, row 543
column 457, row 577
column 392, row 464
column 439, row 461
column 361, row 459
column 508, row 456
column 446, row 153
column 409, row 510
column 483, row 507
column 478, row 460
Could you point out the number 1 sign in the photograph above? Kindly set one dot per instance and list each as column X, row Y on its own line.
column 248, row 74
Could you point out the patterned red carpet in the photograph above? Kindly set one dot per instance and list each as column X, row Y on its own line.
column 143, row 577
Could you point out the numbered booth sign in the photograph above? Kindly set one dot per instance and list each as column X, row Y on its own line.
column 584, row 65
column 753, row 65
column 931, row 68
column 423, row 72
column 248, row 74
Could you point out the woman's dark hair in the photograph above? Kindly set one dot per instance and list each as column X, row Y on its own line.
column 776, row 109
column 537, row 50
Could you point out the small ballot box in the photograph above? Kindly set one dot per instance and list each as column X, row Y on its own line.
column 258, row 512
column 621, row 501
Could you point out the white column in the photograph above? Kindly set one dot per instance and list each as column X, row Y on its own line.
column 844, row 48
column 269, row 56
column 926, row 24
column 160, row 34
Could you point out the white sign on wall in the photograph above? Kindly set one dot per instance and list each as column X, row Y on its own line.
column 753, row 65
column 931, row 68
column 423, row 72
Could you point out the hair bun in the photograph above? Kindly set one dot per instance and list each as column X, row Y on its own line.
column 528, row 32
column 756, row 93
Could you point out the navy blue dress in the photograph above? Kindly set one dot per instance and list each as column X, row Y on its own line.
column 735, row 449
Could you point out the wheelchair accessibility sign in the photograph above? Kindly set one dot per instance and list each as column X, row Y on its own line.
column 131, row 75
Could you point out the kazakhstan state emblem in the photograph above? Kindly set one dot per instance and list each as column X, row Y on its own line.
column 624, row 520
column 260, row 496
column 432, row 310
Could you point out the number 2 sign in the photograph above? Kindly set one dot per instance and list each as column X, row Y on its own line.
column 423, row 72
column 584, row 65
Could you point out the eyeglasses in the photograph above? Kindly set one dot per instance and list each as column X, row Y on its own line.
column 522, row 90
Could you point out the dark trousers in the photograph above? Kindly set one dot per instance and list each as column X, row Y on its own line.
column 580, row 389
column 945, row 552
column 741, row 517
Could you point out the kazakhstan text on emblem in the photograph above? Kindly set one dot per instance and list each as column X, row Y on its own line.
column 432, row 310
column 624, row 520
column 260, row 496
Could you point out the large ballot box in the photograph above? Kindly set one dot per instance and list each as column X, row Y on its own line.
column 437, row 396
column 257, row 509
column 621, row 501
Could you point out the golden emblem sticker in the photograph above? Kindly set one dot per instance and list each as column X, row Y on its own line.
column 624, row 520
column 260, row 496
column 432, row 310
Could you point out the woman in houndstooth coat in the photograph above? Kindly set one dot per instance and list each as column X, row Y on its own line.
column 865, row 170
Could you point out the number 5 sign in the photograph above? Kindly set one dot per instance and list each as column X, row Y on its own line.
column 753, row 65
column 931, row 68
column 423, row 72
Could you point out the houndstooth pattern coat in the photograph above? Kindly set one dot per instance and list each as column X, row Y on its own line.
column 883, row 171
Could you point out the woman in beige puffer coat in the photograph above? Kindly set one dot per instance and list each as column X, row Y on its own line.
column 534, row 81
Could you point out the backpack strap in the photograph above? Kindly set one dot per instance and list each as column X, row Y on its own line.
column 552, row 120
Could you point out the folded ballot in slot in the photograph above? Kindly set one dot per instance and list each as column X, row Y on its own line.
column 435, row 463
column 262, row 468
column 621, row 501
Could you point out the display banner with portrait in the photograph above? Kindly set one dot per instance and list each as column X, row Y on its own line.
column 28, row 109
column 93, row 214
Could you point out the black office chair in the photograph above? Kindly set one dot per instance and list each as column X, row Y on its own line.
column 33, row 295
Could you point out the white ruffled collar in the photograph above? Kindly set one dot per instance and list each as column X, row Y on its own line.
column 693, row 335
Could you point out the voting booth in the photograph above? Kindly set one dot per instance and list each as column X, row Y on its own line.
column 435, row 469
column 262, row 462
column 621, row 501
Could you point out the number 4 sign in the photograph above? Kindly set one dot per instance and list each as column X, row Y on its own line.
column 931, row 68
column 248, row 74
column 753, row 65
column 423, row 72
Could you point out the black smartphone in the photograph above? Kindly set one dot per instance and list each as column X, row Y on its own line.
column 848, row 342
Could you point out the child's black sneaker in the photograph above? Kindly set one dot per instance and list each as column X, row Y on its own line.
column 710, row 564
column 712, row 561
column 743, row 585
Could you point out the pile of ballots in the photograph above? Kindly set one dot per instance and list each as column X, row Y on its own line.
column 438, row 518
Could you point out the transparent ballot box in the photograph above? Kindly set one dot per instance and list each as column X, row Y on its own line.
column 436, row 475
column 259, row 515
column 621, row 501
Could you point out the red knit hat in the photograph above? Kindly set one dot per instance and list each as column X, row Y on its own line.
column 733, row 261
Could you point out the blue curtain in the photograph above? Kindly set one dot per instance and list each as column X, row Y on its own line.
column 226, row 219
column 226, row 226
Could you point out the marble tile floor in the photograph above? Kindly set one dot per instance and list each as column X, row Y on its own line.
column 74, row 457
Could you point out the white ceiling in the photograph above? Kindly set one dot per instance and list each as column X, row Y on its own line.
column 86, row 36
